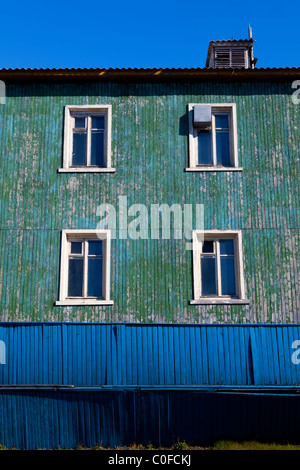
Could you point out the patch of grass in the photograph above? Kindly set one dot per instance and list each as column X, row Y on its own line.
column 99, row 447
column 149, row 447
column 220, row 445
column 252, row 445
column 136, row 447
column 180, row 445
column 80, row 447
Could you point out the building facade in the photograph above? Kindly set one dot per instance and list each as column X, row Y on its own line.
column 106, row 310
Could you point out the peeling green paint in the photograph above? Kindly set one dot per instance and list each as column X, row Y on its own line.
column 151, row 279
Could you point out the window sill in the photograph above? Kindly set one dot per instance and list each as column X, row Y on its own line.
column 214, row 168
column 86, row 170
column 83, row 302
column 219, row 301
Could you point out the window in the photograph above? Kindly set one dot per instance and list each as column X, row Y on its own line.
column 212, row 137
column 87, row 139
column 85, row 268
column 218, row 267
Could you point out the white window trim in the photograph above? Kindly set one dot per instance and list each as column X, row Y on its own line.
column 193, row 139
column 99, row 234
column 67, row 150
column 198, row 237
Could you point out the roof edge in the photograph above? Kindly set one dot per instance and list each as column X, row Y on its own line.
column 151, row 74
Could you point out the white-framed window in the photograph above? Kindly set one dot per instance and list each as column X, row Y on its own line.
column 87, row 139
column 218, row 267
column 213, row 137
column 85, row 268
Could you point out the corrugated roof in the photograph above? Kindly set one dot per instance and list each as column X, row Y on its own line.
column 233, row 40
column 149, row 73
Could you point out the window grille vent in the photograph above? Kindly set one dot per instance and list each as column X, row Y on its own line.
column 230, row 58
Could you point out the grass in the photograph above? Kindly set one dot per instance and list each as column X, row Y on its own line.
column 220, row 445
column 252, row 445
column 182, row 445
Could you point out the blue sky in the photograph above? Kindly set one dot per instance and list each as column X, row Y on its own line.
column 134, row 33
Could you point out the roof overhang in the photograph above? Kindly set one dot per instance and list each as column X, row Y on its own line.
column 153, row 74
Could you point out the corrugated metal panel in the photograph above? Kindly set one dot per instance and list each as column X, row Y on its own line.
column 155, row 74
column 48, row 420
column 151, row 279
column 149, row 355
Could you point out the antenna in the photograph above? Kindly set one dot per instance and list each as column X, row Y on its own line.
column 250, row 31
column 252, row 59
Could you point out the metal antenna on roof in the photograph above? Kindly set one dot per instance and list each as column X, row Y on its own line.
column 250, row 31
column 252, row 59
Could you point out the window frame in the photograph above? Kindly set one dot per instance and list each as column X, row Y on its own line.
column 229, row 108
column 84, row 235
column 86, row 111
column 215, row 235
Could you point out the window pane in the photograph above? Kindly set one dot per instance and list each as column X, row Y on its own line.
column 95, row 247
column 97, row 150
column 79, row 149
column 75, row 277
column 222, row 148
column 204, row 148
column 208, row 276
column 227, row 276
column 226, row 247
column 79, row 123
column 208, row 247
column 95, row 277
column 98, row 122
column 221, row 121
column 76, row 248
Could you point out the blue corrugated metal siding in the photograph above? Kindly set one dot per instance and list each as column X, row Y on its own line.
column 148, row 355
column 66, row 419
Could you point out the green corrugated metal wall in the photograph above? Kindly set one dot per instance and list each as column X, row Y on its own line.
column 151, row 280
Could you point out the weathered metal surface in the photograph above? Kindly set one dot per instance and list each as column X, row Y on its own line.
column 258, row 73
column 48, row 420
column 151, row 280
column 161, row 355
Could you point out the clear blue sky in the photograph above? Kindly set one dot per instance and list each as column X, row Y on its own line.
column 135, row 33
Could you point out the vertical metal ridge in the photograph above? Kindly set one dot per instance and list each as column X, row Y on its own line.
column 151, row 280
column 153, row 354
